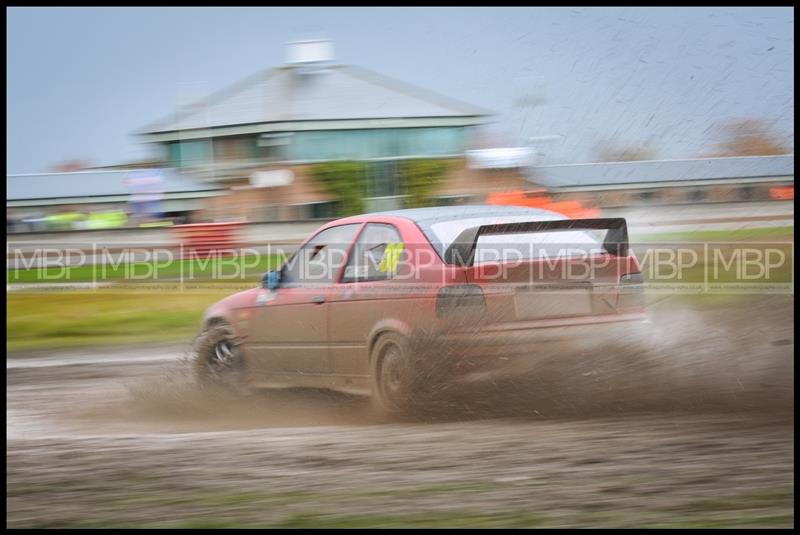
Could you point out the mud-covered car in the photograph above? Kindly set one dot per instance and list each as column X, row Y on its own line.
column 386, row 304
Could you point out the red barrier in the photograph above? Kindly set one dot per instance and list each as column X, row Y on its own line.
column 201, row 240
column 538, row 199
column 785, row 193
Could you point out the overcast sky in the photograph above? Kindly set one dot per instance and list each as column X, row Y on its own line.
column 80, row 81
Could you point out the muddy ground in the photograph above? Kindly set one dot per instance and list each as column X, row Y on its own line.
column 687, row 423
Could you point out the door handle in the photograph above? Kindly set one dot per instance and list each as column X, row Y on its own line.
column 318, row 299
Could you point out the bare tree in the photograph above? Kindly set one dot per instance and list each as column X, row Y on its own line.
column 607, row 152
column 69, row 166
column 749, row 137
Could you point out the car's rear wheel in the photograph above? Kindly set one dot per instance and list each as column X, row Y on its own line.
column 393, row 375
column 219, row 360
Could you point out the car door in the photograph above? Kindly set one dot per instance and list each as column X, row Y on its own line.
column 363, row 297
column 289, row 327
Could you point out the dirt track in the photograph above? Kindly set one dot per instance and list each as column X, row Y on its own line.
column 693, row 429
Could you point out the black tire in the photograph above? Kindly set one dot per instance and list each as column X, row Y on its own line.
column 394, row 379
column 219, row 360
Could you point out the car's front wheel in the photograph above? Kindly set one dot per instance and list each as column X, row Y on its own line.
column 219, row 360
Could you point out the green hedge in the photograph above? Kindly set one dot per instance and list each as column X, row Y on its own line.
column 421, row 179
column 347, row 181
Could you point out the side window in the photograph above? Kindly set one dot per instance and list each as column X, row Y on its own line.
column 319, row 260
column 375, row 255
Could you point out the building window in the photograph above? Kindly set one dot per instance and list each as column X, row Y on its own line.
column 746, row 193
column 233, row 148
column 384, row 179
column 189, row 153
column 377, row 143
column 697, row 195
column 455, row 200
column 267, row 212
column 273, row 147
column 317, row 210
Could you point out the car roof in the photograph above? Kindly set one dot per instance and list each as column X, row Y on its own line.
column 426, row 218
column 448, row 213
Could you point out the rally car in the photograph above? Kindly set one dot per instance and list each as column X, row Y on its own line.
column 385, row 303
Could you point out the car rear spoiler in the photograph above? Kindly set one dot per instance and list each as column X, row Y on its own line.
column 462, row 251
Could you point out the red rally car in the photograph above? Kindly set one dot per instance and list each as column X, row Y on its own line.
column 384, row 304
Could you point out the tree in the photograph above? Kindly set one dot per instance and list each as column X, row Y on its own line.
column 345, row 180
column 749, row 137
column 422, row 176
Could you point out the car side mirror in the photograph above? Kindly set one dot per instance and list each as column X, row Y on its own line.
column 271, row 280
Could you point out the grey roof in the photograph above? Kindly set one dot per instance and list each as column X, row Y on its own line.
column 336, row 92
column 426, row 218
column 91, row 184
column 627, row 173
column 436, row 214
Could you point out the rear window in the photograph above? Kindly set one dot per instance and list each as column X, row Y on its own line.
column 538, row 245
column 524, row 246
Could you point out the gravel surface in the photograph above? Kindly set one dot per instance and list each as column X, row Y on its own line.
column 693, row 428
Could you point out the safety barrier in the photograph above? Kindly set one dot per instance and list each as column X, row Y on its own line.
column 537, row 199
column 785, row 193
column 201, row 240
